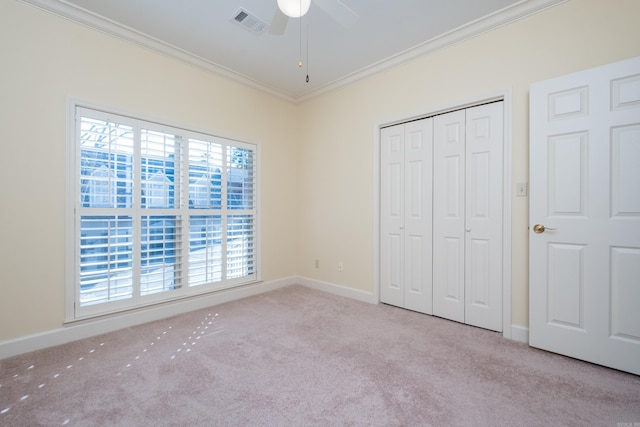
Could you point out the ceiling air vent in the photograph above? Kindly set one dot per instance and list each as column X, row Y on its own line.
column 250, row 21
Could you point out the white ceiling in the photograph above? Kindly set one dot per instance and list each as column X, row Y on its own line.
column 203, row 32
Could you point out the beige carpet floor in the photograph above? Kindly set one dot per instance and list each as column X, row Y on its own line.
column 300, row 357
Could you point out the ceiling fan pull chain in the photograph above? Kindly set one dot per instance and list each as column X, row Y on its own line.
column 307, row 53
column 300, row 53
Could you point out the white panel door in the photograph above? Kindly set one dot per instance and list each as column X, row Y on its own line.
column 449, row 215
column 483, row 227
column 405, row 215
column 585, row 215
column 392, row 215
column 418, row 291
column 467, row 216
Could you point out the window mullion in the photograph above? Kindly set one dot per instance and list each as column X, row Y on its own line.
column 137, row 212
column 184, row 212
column 181, row 212
column 224, row 209
column 77, row 206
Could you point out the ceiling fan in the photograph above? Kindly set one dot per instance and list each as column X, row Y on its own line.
column 296, row 8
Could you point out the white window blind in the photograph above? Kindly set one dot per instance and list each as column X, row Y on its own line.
column 160, row 212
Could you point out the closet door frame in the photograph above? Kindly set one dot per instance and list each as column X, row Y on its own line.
column 506, row 97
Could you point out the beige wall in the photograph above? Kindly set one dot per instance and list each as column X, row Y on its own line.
column 46, row 59
column 336, row 174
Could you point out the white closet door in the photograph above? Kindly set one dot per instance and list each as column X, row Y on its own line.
column 405, row 215
column 467, row 216
column 584, row 284
column 418, row 252
column 483, row 229
column 392, row 215
column 449, row 215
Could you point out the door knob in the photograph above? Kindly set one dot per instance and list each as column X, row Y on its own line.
column 539, row 228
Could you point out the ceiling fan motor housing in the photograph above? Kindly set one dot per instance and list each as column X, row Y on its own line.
column 294, row 8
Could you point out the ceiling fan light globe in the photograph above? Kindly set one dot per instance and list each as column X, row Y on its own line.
column 294, row 8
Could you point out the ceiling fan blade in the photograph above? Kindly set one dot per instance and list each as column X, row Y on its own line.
column 339, row 11
column 278, row 23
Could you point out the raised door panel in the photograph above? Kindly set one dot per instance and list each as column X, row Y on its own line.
column 625, row 173
column 565, row 284
column 567, row 168
column 625, row 294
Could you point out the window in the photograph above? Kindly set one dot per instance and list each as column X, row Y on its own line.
column 159, row 213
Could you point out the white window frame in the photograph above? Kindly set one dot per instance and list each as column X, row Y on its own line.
column 74, row 311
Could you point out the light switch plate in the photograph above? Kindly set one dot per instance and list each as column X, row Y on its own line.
column 522, row 189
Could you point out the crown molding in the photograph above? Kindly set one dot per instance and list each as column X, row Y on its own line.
column 475, row 28
column 97, row 22
column 64, row 9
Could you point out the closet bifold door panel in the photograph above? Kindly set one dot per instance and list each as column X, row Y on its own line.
column 406, row 215
column 467, row 216
column 449, row 215
column 484, row 216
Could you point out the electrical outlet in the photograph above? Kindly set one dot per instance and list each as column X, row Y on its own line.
column 317, row 263
column 340, row 266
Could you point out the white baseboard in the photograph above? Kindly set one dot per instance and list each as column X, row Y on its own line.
column 520, row 333
column 342, row 291
column 89, row 328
